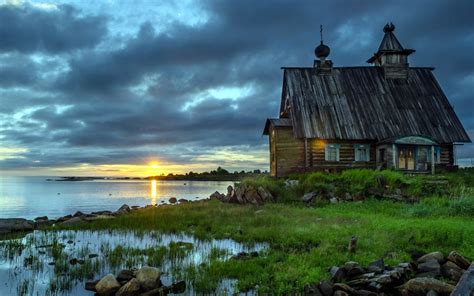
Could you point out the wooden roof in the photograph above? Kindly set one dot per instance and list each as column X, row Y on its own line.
column 276, row 122
column 359, row 103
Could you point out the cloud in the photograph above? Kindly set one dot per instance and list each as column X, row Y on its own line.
column 28, row 28
column 78, row 86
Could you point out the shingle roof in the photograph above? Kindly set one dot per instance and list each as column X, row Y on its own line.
column 359, row 103
column 275, row 122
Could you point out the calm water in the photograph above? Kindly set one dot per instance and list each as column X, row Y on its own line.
column 24, row 263
column 30, row 197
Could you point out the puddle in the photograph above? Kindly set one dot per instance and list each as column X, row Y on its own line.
column 39, row 263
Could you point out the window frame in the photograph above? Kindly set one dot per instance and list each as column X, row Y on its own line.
column 337, row 148
column 357, row 148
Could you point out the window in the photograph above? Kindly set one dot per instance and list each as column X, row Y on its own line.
column 331, row 152
column 362, row 152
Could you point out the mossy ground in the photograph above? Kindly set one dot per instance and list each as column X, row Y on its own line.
column 304, row 242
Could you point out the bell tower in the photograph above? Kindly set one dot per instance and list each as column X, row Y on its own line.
column 391, row 55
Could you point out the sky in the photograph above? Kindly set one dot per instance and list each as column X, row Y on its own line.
column 136, row 88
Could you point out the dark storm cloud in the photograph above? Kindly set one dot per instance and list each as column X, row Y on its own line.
column 28, row 29
column 161, row 88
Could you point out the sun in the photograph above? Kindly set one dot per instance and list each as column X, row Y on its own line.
column 154, row 165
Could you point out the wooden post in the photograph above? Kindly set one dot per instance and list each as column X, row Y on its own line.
column 432, row 160
column 394, row 153
column 305, row 153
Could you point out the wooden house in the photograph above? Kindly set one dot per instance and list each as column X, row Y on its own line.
column 388, row 115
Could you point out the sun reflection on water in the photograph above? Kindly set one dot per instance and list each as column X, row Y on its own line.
column 153, row 191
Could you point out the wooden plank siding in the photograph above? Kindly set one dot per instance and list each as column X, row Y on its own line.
column 289, row 152
column 346, row 155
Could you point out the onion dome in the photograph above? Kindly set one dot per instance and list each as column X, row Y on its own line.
column 322, row 51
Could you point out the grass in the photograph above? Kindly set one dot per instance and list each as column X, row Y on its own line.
column 304, row 242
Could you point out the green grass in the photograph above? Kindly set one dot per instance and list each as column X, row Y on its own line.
column 304, row 242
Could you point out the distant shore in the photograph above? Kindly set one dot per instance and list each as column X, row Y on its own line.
column 197, row 177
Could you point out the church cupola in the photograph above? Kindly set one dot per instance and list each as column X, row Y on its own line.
column 322, row 51
column 391, row 55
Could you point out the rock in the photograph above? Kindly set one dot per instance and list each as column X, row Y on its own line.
column 93, row 255
column 148, row 277
column 73, row 261
column 217, row 195
column 43, row 223
column 131, row 288
column 125, row 275
column 64, row 218
column 183, row 200
column 452, row 271
column 333, row 200
column 135, row 207
column 90, row 285
column 124, row 209
column 421, row 286
column 458, row 260
column 42, row 218
column 308, row 197
column 108, row 285
column 252, row 196
column 8, row 225
column 347, row 196
column 312, row 289
column 438, row 256
column 430, row 267
column 173, row 200
column 432, row 293
column 340, row 293
column 265, row 195
column 73, row 221
column 291, row 183
column 230, row 192
column 178, row 287
column 337, row 274
column 376, row 266
column 346, row 288
column 106, row 213
column 326, row 288
column 78, row 214
column 238, row 197
column 156, row 292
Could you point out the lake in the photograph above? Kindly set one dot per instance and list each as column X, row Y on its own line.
column 30, row 197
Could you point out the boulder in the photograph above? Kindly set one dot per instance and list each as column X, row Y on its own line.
column 344, row 287
column 326, row 288
column 217, row 195
column 458, row 260
column 42, row 218
column 438, row 256
column 43, row 223
column 183, row 200
column 148, row 277
column 123, row 209
column 173, row 200
column 333, row 200
column 106, row 213
column 178, row 287
column 252, row 196
column 73, row 221
column 340, row 293
column 452, row 271
column 108, row 285
column 376, row 266
column 312, row 289
column 308, row 197
column 90, row 285
column 421, row 286
column 8, row 225
column 78, row 214
column 230, row 191
column 337, row 274
column 265, row 194
column 131, row 288
column 125, row 275
column 431, row 266
column 157, row 292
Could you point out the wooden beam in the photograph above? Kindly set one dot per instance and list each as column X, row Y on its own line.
column 432, row 159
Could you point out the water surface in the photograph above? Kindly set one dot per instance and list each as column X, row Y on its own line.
column 30, row 197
